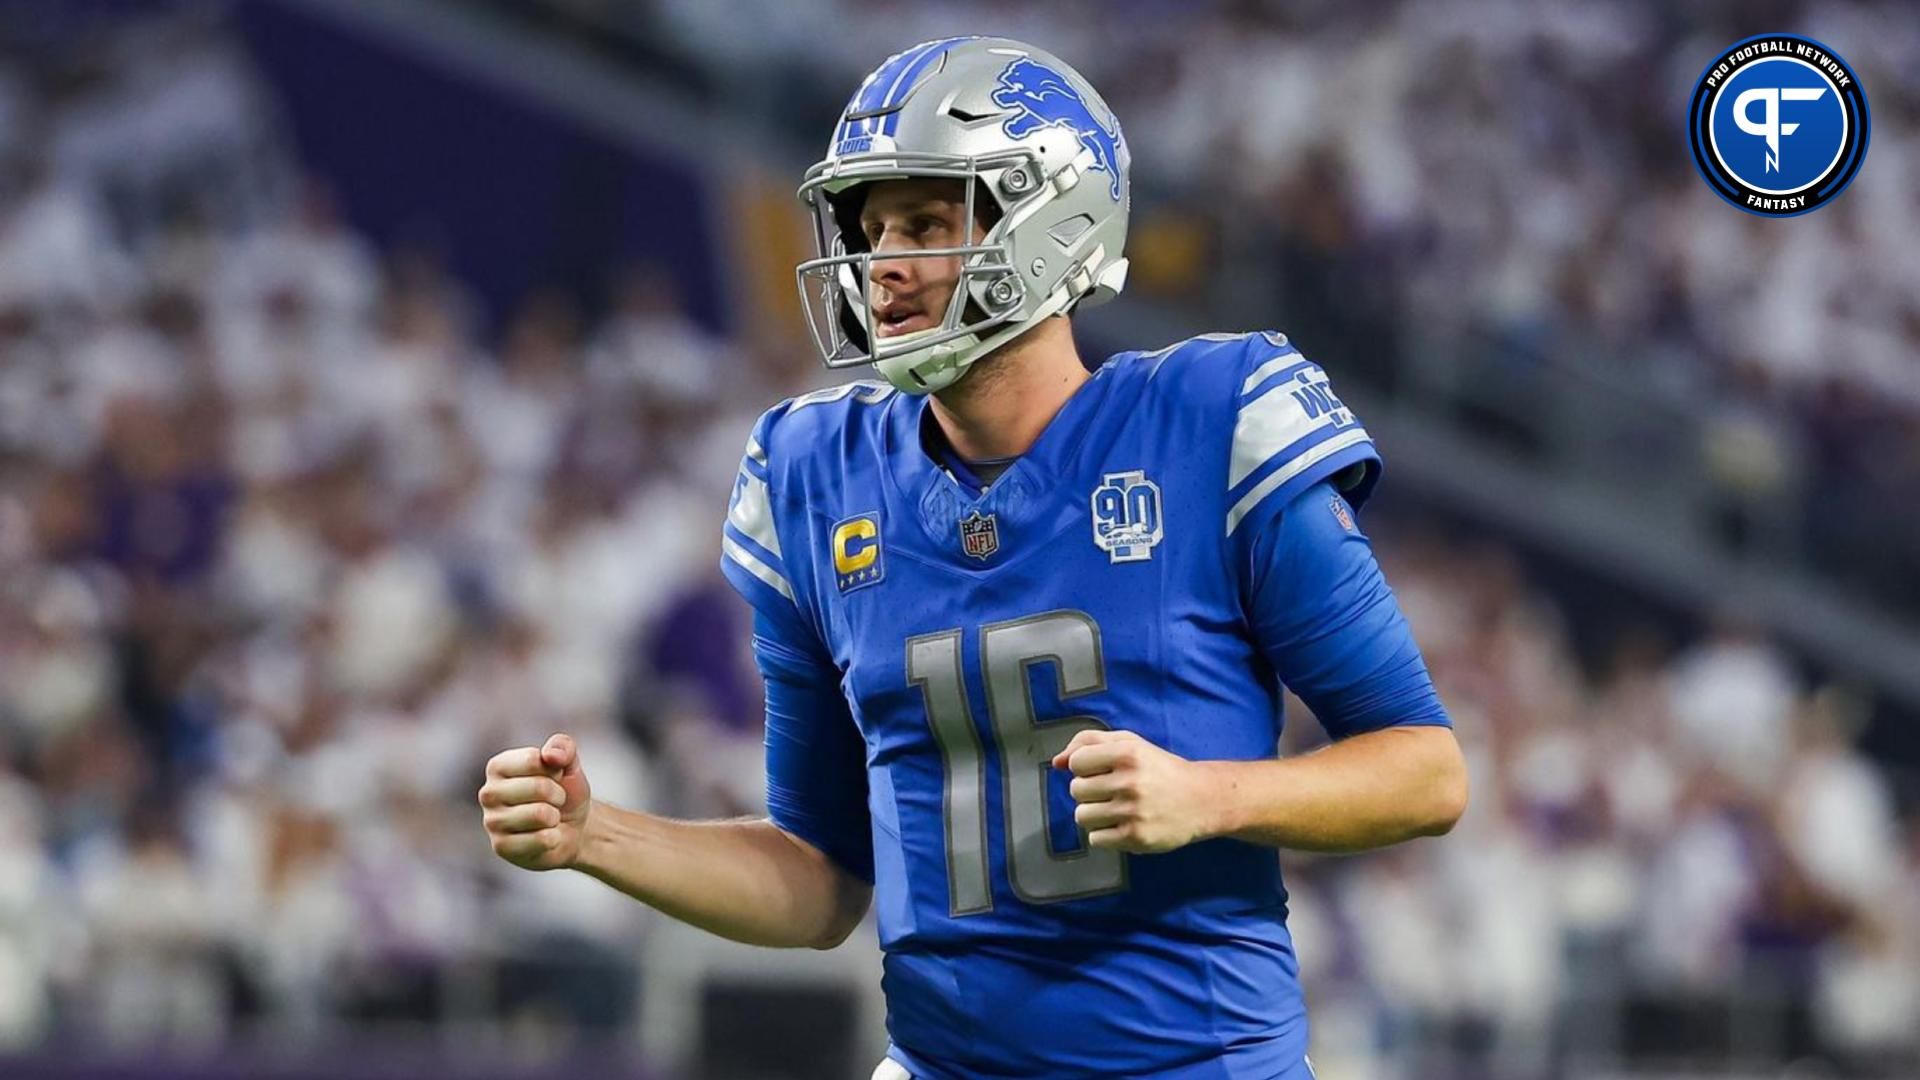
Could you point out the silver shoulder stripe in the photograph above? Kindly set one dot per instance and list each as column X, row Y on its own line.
column 752, row 513
column 1267, row 425
column 864, row 390
column 1290, row 470
column 1261, row 373
column 752, row 565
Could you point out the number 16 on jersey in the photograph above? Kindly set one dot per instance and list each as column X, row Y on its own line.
column 1025, row 743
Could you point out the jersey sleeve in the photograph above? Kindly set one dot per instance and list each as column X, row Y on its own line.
column 1324, row 617
column 816, row 760
column 751, row 554
column 1290, row 431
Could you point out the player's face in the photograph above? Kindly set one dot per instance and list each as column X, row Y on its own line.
column 908, row 294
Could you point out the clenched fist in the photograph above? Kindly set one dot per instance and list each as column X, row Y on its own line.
column 1133, row 795
column 535, row 804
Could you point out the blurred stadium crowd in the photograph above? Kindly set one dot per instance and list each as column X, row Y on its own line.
column 290, row 543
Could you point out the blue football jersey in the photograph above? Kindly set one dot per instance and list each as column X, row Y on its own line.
column 1114, row 576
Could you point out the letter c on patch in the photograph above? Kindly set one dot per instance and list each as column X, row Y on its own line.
column 855, row 545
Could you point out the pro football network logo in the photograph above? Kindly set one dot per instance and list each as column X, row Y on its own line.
column 1779, row 125
column 1126, row 516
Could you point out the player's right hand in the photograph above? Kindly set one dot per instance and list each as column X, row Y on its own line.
column 535, row 804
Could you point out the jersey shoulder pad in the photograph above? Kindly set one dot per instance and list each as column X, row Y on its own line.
column 791, row 444
column 803, row 435
column 1289, row 429
column 1190, row 365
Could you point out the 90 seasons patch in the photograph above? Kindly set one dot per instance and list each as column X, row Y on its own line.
column 1126, row 516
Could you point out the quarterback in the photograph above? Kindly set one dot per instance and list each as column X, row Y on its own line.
column 1024, row 625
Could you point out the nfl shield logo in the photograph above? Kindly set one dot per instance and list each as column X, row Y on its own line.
column 1341, row 515
column 979, row 535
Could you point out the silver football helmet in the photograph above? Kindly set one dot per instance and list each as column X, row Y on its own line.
column 1015, row 125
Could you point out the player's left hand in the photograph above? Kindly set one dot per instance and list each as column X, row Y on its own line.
column 1133, row 795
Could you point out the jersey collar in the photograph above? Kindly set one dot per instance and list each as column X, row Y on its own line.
column 1020, row 498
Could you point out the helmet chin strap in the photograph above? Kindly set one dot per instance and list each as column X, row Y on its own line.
column 936, row 367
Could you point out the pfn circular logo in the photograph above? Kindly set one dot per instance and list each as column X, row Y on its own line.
column 1779, row 125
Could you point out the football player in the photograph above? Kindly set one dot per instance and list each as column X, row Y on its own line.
column 1024, row 625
